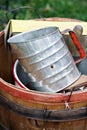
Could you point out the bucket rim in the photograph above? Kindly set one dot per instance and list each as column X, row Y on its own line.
column 22, row 40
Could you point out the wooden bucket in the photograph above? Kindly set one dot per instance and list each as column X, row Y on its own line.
column 29, row 110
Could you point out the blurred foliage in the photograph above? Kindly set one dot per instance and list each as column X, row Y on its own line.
column 29, row 9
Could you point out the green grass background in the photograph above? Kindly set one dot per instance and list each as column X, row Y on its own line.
column 76, row 9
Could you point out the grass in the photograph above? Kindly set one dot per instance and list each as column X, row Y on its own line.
column 76, row 9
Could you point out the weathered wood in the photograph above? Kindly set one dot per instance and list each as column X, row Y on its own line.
column 5, row 60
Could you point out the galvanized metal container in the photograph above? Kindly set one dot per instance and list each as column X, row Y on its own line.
column 46, row 58
column 23, row 80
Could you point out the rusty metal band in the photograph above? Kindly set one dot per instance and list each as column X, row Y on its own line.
column 45, row 115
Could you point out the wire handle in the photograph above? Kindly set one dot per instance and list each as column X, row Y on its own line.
column 14, row 11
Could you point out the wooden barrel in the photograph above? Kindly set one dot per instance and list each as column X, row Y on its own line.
column 30, row 110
